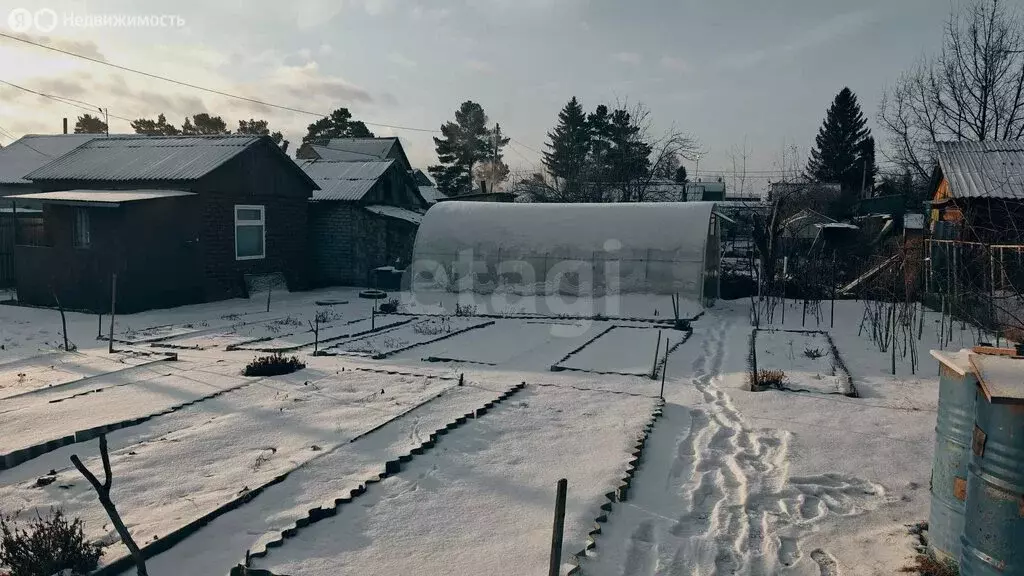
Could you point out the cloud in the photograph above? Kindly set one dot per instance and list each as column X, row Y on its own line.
column 674, row 64
column 401, row 60
column 631, row 58
column 480, row 66
column 82, row 47
column 306, row 82
column 821, row 33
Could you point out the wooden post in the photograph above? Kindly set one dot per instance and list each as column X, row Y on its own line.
column 832, row 320
column 657, row 351
column 664, row 371
column 373, row 314
column 99, row 326
column 63, row 322
column 559, row 526
column 113, row 313
column 270, row 289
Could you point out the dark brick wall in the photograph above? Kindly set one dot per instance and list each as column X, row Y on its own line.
column 348, row 242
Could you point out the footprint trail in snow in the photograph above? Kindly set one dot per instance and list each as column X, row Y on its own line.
column 714, row 497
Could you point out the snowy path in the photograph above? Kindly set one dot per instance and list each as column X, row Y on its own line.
column 317, row 483
column 480, row 502
column 714, row 497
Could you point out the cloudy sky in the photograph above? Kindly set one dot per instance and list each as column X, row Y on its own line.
column 733, row 73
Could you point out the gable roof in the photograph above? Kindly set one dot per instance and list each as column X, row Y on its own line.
column 431, row 194
column 151, row 158
column 990, row 169
column 340, row 180
column 362, row 150
column 32, row 151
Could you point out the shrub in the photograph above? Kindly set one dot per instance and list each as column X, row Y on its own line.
column 465, row 310
column 432, row 327
column 813, row 353
column 767, row 379
column 273, row 365
column 49, row 545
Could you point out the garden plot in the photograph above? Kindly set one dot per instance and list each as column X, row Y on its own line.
column 416, row 333
column 806, row 358
column 24, row 424
column 238, row 334
column 329, row 333
column 61, row 368
column 482, row 499
column 245, row 439
column 500, row 343
column 621, row 350
column 317, row 483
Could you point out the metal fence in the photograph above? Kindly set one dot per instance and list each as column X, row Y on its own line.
column 980, row 283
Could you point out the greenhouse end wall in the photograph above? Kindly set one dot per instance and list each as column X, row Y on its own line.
column 574, row 249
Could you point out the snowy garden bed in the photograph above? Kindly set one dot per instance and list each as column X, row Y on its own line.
column 328, row 333
column 623, row 350
column 408, row 335
column 483, row 501
column 221, row 450
column 807, row 358
column 61, row 368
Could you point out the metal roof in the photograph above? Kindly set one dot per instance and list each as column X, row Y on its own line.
column 104, row 197
column 129, row 158
column 357, row 149
column 340, row 180
column 990, row 169
column 32, row 151
column 431, row 194
column 397, row 213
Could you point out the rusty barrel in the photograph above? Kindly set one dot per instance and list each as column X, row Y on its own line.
column 954, row 423
column 993, row 538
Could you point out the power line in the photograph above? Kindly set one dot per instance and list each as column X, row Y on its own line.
column 66, row 101
column 203, row 88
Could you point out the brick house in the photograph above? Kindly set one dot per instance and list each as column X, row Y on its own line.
column 180, row 219
column 364, row 216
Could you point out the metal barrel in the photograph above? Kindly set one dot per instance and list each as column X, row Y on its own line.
column 954, row 424
column 993, row 538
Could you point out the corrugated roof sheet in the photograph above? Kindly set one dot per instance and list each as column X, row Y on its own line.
column 103, row 196
column 431, row 194
column 983, row 169
column 356, row 149
column 32, row 151
column 340, row 180
column 397, row 212
column 150, row 158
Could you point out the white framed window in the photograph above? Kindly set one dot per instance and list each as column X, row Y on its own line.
column 250, row 232
column 80, row 234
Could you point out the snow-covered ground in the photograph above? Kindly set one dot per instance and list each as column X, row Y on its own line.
column 732, row 480
column 804, row 357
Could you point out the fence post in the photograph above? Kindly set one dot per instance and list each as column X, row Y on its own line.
column 657, row 351
column 664, row 371
column 113, row 301
column 559, row 527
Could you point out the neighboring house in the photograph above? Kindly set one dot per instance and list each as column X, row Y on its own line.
column 364, row 216
column 805, row 224
column 979, row 192
column 356, row 150
column 427, row 188
column 700, row 191
column 29, row 153
column 179, row 219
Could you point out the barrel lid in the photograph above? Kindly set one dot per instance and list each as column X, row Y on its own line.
column 1001, row 378
column 958, row 362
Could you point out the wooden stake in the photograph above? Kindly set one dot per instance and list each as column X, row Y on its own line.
column 113, row 313
column 63, row 321
column 664, row 371
column 103, row 492
column 554, row 568
column 657, row 351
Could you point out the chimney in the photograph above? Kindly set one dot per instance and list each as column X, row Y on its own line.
column 65, row 125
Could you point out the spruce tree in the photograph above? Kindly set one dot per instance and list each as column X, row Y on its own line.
column 843, row 148
column 569, row 146
column 338, row 125
column 465, row 142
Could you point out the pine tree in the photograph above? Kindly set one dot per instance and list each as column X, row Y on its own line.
column 89, row 124
column 338, row 125
column 203, row 124
column 465, row 142
column 261, row 128
column 569, row 145
column 843, row 148
column 158, row 127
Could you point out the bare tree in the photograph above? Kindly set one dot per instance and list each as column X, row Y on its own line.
column 739, row 155
column 665, row 147
column 103, row 492
column 973, row 90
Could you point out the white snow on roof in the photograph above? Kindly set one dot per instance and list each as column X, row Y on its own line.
column 340, row 180
column 431, row 194
column 837, row 225
column 32, row 151
column 103, row 196
column 397, row 212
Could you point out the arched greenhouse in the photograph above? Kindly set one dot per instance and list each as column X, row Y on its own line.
column 579, row 249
